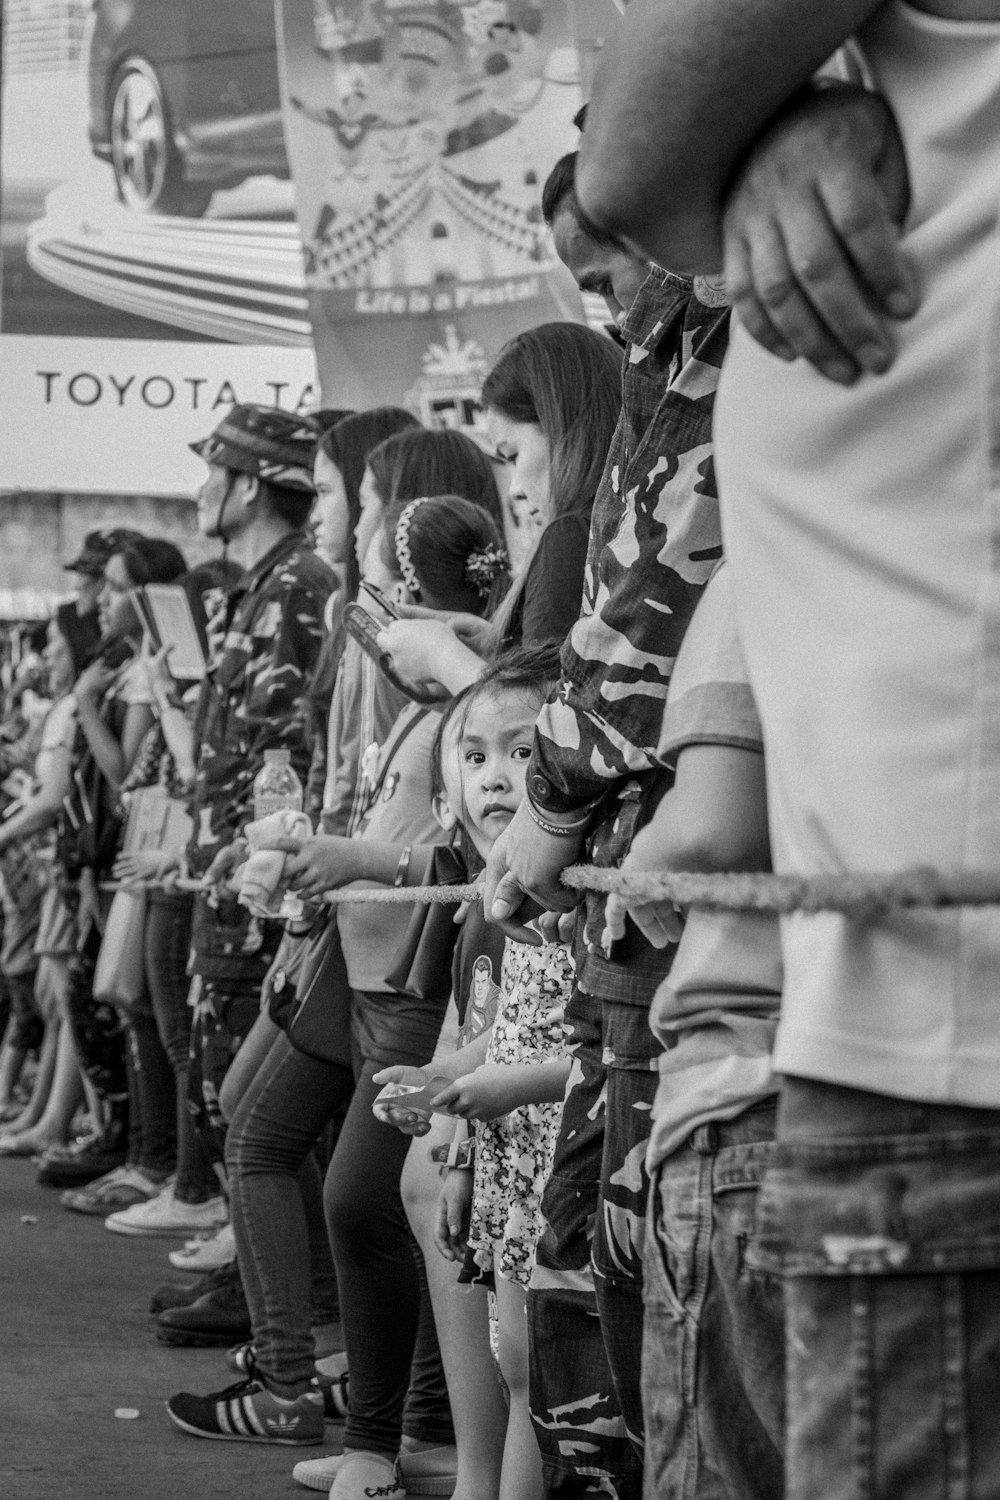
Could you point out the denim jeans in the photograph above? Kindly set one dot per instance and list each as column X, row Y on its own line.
column 713, row 1342
column 152, row 1098
column 884, row 1217
column 272, row 1134
column 397, row 1379
column 167, row 940
column 388, row 1326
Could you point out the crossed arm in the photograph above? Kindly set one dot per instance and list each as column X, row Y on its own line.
column 707, row 146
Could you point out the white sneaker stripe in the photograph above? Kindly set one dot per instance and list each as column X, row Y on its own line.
column 222, row 1417
column 251, row 1417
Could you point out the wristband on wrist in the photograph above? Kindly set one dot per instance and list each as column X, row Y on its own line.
column 558, row 830
column 462, row 1154
column 402, row 868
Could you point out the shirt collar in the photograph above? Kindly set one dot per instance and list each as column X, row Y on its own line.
column 656, row 301
column 282, row 548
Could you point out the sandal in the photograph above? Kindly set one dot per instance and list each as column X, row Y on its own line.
column 120, row 1188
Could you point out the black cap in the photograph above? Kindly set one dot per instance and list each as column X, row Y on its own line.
column 265, row 441
column 97, row 547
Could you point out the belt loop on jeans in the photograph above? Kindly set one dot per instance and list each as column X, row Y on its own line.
column 705, row 1140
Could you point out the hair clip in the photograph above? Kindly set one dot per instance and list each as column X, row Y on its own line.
column 401, row 541
column 486, row 565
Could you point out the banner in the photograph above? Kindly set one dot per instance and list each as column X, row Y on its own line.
column 420, row 133
column 151, row 262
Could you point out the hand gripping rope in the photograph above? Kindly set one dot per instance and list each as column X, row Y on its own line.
column 861, row 897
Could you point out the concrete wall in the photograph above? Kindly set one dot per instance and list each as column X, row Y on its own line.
column 39, row 532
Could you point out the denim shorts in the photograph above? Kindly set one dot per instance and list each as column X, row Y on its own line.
column 883, row 1215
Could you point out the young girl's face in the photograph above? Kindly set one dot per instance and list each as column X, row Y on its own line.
column 494, row 750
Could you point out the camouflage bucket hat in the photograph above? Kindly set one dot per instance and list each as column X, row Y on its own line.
column 271, row 444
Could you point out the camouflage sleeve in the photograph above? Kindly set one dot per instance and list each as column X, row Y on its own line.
column 274, row 708
column 603, row 722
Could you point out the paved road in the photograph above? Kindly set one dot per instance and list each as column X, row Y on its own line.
column 76, row 1342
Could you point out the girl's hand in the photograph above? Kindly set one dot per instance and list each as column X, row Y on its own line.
column 159, row 682
column 471, row 630
column 93, row 682
column 88, row 912
column 454, row 1209
column 482, row 1095
column 659, row 921
column 392, row 1109
column 319, row 864
column 224, row 865
column 416, row 648
column 144, row 864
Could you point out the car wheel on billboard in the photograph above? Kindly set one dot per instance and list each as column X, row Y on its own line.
column 148, row 170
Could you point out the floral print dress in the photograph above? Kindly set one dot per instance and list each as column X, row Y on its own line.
column 514, row 1153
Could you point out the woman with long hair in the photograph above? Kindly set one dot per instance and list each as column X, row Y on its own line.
column 422, row 462
column 551, row 403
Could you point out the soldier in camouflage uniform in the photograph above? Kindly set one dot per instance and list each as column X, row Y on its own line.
column 257, row 497
column 655, row 539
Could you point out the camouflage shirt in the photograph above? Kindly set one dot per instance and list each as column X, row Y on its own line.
column 654, row 539
column 252, row 699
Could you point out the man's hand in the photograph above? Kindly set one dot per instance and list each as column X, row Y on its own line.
column 451, row 1221
column 811, row 227
column 658, row 921
column 524, row 866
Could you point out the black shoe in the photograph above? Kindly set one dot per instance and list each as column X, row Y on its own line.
column 219, row 1316
column 183, row 1293
column 77, row 1168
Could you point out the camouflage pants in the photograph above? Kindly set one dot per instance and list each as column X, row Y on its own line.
column 585, row 1301
column 224, row 1012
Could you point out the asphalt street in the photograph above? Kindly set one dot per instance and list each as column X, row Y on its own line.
column 77, row 1342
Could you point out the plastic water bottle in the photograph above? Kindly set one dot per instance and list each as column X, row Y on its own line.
column 277, row 788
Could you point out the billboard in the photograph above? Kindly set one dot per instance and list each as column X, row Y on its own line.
column 200, row 202
column 151, row 262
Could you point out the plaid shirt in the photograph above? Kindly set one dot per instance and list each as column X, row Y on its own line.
column 654, row 539
column 252, row 700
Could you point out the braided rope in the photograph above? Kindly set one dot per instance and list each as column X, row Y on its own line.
column 861, row 897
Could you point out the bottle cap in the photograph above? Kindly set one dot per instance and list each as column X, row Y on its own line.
column 277, row 757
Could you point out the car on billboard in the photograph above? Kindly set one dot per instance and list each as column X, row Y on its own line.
column 183, row 98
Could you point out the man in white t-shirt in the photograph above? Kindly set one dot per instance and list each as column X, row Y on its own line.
column 863, row 529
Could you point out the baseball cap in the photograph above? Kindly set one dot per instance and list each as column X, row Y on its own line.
column 264, row 441
column 97, row 547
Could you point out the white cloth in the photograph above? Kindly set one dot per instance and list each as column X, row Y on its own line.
column 262, row 881
column 862, row 526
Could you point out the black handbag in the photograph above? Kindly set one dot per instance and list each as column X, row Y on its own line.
column 422, row 965
column 319, row 1022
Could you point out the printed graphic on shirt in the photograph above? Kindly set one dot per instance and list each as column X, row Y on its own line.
column 481, row 1008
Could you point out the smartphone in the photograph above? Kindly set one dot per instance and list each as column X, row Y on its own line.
column 383, row 605
column 360, row 623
